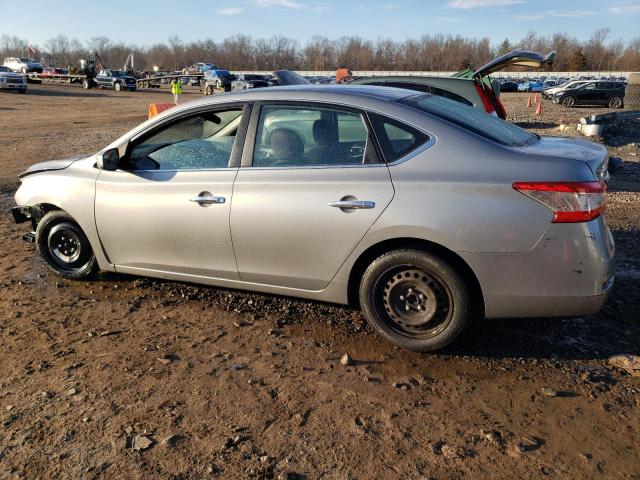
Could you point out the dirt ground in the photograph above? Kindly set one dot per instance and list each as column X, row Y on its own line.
column 228, row 384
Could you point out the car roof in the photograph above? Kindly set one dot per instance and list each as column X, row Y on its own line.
column 355, row 94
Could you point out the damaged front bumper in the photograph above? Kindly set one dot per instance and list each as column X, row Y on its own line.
column 27, row 214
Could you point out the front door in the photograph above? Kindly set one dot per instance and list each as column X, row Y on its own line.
column 167, row 209
column 310, row 187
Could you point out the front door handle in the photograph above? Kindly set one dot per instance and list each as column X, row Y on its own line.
column 205, row 198
column 353, row 204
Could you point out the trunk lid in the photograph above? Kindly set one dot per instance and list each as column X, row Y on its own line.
column 515, row 58
column 594, row 155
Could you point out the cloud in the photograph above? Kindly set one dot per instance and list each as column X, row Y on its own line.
column 625, row 8
column 321, row 8
column 229, row 11
column 556, row 14
column 469, row 4
column 278, row 3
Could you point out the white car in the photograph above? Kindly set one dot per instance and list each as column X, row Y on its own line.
column 12, row 81
column 22, row 65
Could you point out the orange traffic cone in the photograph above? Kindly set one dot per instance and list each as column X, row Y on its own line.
column 539, row 109
column 529, row 102
column 536, row 99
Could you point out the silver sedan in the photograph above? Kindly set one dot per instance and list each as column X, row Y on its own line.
column 424, row 212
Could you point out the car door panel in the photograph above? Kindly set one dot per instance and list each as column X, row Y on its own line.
column 148, row 220
column 167, row 208
column 285, row 230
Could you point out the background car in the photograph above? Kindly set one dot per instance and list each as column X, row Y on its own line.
column 12, row 81
column 247, row 80
column 22, row 65
column 592, row 93
column 116, row 79
column 217, row 80
column 508, row 86
column 427, row 240
column 470, row 87
column 549, row 92
column 530, row 86
column 198, row 68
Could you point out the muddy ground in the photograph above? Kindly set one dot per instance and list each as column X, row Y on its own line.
column 229, row 384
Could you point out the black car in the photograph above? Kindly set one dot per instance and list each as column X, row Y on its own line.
column 508, row 87
column 592, row 93
column 116, row 79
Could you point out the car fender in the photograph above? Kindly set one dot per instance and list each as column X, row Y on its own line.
column 71, row 190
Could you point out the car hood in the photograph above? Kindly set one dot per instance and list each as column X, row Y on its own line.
column 516, row 58
column 11, row 75
column 51, row 165
column 594, row 155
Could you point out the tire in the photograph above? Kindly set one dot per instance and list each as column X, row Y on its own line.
column 64, row 247
column 616, row 102
column 568, row 101
column 24, row 70
column 117, row 86
column 414, row 300
column 85, row 84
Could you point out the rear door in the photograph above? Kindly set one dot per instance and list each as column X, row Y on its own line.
column 311, row 185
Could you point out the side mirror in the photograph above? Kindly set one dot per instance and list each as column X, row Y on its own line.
column 110, row 160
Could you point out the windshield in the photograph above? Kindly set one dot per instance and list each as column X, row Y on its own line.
column 27, row 60
column 117, row 73
column 472, row 119
column 223, row 73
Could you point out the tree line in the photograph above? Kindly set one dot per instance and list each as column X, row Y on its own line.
column 431, row 52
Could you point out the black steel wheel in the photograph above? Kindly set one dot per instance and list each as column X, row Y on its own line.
column 64, row 247
column 414, row 299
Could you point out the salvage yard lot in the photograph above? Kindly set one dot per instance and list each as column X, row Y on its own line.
column 230, row 384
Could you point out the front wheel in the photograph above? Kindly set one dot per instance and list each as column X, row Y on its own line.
column 117, row 87
column 414, row 300
column 615, row 102
column 569, row 101
column 64, row 247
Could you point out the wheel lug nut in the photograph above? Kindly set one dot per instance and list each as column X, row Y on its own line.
column 401, row 297
column 421, row 296
column 406, row 308
column 410, row 290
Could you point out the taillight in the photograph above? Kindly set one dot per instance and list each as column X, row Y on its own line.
column 570, row 202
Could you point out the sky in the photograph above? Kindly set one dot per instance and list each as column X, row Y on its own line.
column 144, row 23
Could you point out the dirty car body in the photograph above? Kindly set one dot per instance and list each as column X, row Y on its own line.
column 374, row 196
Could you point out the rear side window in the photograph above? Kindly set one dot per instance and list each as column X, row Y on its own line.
column 471, row 119
column 396, row 139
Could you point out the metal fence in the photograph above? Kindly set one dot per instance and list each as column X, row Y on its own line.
column 531, row 74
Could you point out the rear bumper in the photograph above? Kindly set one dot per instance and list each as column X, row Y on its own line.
column 570, row 272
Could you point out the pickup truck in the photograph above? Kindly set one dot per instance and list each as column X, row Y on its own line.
column 116, row 79
column 12, row 81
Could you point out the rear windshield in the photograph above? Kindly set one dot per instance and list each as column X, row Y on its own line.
column 472, row 119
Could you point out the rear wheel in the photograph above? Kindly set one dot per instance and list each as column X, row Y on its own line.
column 64, row 247
column 414, row 300
column 615, row 102
column 569, row 101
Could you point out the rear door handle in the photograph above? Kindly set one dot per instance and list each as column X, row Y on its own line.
column 207, row 199
column 353, row 204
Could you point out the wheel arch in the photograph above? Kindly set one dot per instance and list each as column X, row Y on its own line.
column 384, row 246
